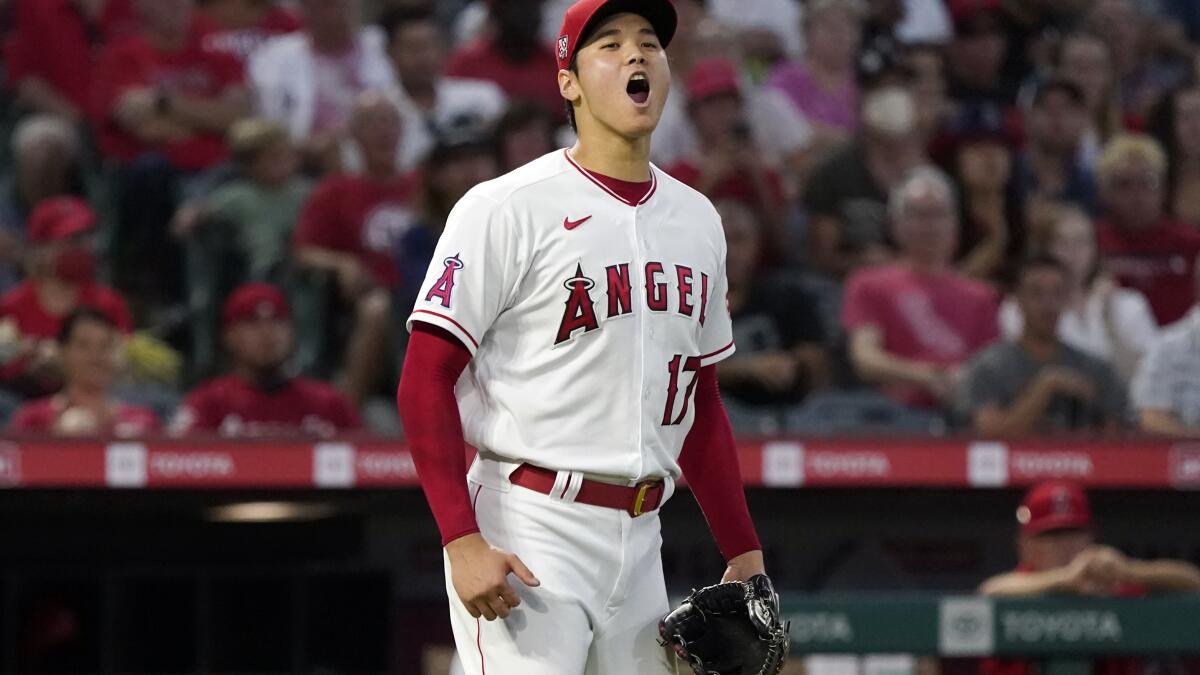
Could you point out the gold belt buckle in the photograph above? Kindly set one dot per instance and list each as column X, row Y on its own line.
column 640, row 500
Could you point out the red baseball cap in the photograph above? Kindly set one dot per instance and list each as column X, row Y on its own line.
column 255, row 301
column 1054, row 505
column 582, row 16
column 712, row 76
column 58, row 218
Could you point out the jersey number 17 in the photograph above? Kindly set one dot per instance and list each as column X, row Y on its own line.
column 680, row 363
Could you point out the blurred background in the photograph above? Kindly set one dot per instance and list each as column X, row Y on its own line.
column 962, row 261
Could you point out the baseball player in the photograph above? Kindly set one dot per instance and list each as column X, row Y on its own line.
column 568, row 328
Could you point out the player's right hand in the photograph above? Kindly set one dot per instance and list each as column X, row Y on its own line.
column 479, row 572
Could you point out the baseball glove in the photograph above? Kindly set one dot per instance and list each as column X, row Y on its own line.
column 729, row 629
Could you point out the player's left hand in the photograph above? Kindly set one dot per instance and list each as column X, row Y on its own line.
column 744, row 566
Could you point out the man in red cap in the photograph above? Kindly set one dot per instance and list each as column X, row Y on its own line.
column 729, row 164
column 586, row 292
column 1057, row 553
column 259, row 398
column 61, row 266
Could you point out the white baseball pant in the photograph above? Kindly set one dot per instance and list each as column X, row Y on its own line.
column 601, row 596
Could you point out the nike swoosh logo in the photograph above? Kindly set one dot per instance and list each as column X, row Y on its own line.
column 572, row 224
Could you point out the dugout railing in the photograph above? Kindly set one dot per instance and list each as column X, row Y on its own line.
column 1064, row 633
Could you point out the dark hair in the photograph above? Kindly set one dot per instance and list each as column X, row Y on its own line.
column 520, row 115
column 515, row 41
column 401, row 17
column 466, row 140
column 1162, row 127
column 82, row 315
column 1109, row 119
column 1048, row 230
column 1039, row 260
column 978, row 123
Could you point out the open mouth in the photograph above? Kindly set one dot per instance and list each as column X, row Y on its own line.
column 638, row 89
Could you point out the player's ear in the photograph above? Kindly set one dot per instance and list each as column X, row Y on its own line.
column 568, row 86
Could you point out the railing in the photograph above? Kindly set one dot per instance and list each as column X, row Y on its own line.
column 957, row 626
column 777, row 463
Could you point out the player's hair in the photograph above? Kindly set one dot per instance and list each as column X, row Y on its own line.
column 82, row 315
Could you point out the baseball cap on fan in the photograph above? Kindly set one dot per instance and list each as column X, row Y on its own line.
column 58, row 218
column 714, row 76
column 1054, row 505
column 584, row 15
column 255, row 301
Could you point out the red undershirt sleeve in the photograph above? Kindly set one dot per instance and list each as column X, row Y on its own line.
column 710, row 464
column 432, row 365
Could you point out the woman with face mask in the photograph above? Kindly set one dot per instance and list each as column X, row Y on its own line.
column 61, row 266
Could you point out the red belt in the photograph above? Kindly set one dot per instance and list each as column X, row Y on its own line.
column 641, row 498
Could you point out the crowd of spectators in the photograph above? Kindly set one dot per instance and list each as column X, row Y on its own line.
column 215, row 214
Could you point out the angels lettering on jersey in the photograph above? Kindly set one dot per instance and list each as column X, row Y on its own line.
column 580, row 316
column 680, row 290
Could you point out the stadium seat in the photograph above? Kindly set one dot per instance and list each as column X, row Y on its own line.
column 754, row 420
column 859, row 412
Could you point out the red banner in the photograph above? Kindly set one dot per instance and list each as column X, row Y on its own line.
column 772, row 463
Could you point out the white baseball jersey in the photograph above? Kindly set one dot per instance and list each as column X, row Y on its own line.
column 588, row 316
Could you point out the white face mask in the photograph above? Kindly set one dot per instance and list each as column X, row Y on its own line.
column 890, row 111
